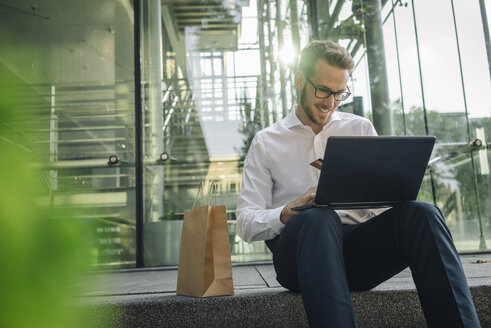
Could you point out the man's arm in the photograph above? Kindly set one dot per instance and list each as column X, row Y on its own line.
column 256, row 220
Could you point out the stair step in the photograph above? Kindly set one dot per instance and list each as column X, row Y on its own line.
column 146, row 298
column 265, row 308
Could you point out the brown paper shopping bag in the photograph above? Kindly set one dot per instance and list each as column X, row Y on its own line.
column 205, row 266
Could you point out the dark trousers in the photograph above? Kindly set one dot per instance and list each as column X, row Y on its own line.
column 319, row 257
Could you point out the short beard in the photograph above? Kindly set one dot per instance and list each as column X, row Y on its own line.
column 307, row 110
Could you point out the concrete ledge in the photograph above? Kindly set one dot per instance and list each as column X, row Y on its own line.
column 146, row 298
column 272, row 307
column 402, row 308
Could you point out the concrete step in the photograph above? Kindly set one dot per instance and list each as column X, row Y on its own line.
column 146, row 298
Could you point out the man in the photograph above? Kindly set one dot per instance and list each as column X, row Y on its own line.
column 325, row 254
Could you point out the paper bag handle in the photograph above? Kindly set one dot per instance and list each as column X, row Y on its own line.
column 213, row 186
column 200, row 190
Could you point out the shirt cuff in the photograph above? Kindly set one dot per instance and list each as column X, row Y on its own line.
column 274, row 219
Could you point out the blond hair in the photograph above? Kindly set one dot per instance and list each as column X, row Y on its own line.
column 331, row 52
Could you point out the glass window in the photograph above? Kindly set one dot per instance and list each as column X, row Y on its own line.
column 207, row 88
column 409, row 75
column 237, row 91
column 74, row 64
column 458, row 184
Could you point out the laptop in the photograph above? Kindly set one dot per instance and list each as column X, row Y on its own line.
column 371, row 172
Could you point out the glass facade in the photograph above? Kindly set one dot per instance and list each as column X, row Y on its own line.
column 71, row 64
column 212, row 73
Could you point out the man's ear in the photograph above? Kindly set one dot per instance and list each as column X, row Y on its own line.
column 300, row 80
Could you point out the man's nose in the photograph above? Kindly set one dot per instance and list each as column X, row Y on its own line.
column 328, row 102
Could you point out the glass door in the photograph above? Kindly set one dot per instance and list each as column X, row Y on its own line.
column 70, row 66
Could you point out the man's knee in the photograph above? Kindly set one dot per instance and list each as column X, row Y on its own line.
column 318, row 220
column 421, row 217
column 416, row 211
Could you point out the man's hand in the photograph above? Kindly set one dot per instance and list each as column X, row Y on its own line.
column 307, row 198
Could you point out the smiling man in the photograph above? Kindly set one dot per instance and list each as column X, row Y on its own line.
column 324, row 254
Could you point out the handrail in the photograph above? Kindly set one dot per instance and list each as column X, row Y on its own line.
column 455, row 149
column 114, row 161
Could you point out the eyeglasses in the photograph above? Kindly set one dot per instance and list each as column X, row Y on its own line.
column 324, row 93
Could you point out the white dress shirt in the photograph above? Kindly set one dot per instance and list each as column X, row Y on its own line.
column 277, row 172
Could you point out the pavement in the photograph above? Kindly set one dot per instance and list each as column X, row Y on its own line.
column 146, row 298
column 247, row 277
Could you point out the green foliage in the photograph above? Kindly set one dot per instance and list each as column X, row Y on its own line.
column 349, row 28
column 170, row 215
column 447, row 127
column 41, row 258
column 454, row 170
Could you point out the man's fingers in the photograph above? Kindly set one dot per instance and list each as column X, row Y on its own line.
column 307, row 198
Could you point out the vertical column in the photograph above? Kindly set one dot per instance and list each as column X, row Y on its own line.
column 324, row 17
column 53, row 149
column 313, row 22
column 263, row 78
column 295, row 37
column 485, row 27
column 152, row 75
column 279, row 27
column 382, row 115
column 123, row 95
column 272, row 65
column 138, row 134
column 295, row 31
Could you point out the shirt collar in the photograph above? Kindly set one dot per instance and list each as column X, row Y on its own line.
column 335, row 116
column 292, row 119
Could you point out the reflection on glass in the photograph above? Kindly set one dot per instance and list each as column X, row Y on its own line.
column 474, row 59
column 77, row 68
column 208, row 93
column 210, row 81
column 460, row 189
column 219, row 85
